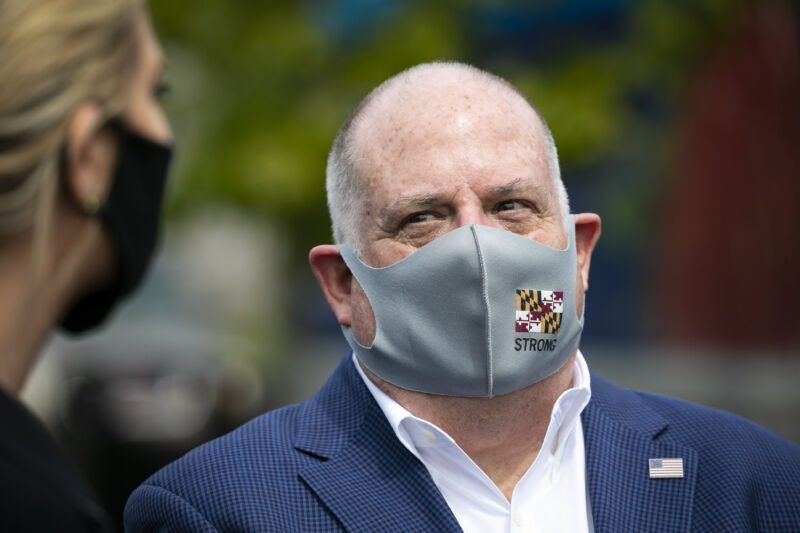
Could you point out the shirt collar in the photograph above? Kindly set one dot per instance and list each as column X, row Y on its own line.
column 566, row 411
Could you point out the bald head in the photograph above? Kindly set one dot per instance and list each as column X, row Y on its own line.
column 431, row 111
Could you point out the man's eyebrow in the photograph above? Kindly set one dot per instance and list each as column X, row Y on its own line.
column 403, row 203
column 517, row 186
column 507, row 188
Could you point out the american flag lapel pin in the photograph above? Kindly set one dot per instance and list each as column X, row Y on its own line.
column 666, row 468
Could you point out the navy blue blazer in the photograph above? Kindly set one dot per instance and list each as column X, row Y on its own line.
column 333, row 463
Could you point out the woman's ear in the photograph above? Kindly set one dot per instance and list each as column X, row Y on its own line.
column 90, row 157
column 335, row 279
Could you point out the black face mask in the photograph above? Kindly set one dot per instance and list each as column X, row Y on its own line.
column 131, row 216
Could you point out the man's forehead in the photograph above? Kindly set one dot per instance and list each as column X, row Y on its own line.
column 416, row 110
column 417, row 125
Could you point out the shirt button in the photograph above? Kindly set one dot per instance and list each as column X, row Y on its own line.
column 428, row 435
column 517, row 519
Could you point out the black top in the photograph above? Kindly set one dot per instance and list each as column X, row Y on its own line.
column 40, row 490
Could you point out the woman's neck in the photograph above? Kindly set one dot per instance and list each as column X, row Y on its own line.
column 28, row 309
column 35, row 295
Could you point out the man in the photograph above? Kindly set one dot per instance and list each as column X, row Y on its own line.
column 459, row 281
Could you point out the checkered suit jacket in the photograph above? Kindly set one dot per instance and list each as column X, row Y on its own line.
column 333, row 463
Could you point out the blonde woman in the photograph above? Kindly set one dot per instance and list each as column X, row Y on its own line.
column 84, row 154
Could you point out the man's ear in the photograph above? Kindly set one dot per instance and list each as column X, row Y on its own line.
column 587, row 231
column 90, row 157
column 335, row 279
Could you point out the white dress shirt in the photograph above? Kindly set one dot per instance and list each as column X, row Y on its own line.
column 550, row 497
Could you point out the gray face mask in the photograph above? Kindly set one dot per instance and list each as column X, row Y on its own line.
column 477, row 312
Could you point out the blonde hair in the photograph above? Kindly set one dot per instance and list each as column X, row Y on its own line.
column 54, row 56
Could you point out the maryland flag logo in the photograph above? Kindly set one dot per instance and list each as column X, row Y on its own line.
column 539, row 311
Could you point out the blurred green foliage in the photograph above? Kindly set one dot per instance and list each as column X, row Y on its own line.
column 260, row 88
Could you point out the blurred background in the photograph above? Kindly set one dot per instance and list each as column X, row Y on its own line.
column 678, row 122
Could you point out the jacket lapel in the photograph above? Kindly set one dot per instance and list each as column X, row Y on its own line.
column 368, row 479
column 621, row 433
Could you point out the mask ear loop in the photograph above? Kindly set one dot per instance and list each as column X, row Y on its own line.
column 574, row 259
column 349, row 255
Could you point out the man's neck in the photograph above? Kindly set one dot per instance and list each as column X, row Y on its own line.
column 502, row 435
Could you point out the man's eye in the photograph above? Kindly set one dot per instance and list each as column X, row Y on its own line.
column 418, row 218
column 510, row 205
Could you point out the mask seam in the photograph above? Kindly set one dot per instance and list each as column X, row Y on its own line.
column 485, row 287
